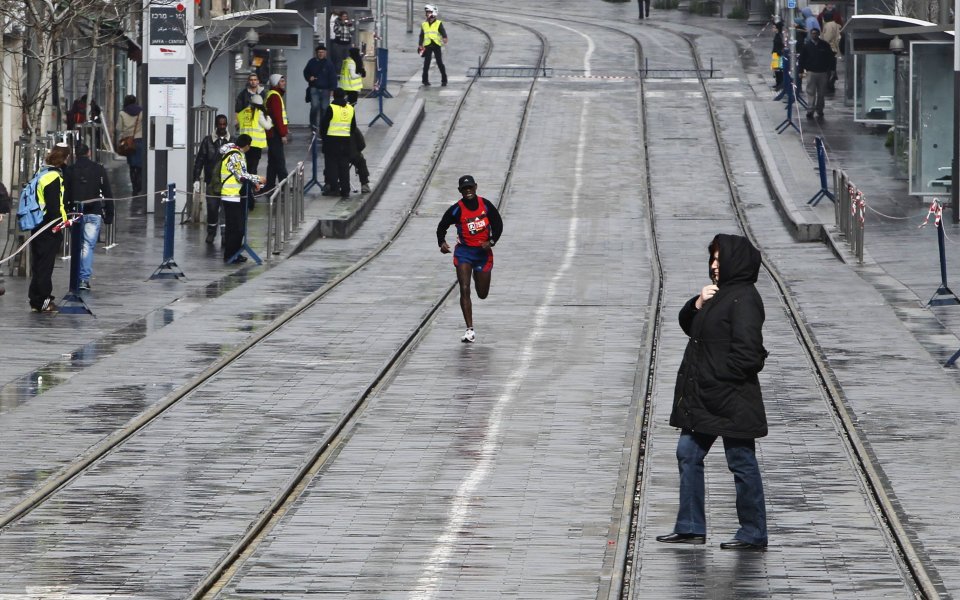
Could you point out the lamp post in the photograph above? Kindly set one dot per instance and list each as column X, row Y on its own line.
column 955, row 165
column 251, row 39
column 900, row 95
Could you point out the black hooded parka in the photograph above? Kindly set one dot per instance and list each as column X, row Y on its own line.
column 717, row 390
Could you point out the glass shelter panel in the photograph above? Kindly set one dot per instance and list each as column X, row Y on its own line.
column 873, row 93
column 931, row 117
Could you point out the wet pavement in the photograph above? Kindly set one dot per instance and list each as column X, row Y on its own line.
column 489, row 470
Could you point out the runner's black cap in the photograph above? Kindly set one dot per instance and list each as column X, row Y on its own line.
column 465, row 181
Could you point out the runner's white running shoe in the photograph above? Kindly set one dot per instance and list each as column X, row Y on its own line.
column 469, row 336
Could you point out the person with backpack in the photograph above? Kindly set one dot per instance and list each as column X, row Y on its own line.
column 47, row 191
column 208, row 159
column 89, row 192
column 230, row 176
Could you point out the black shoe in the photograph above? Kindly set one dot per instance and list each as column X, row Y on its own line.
column 84, row 285
column 740, row 545
column 819, row 114
column 809, row 115
column 210, row 236
column 426, row 83
column 682, row 538
column 443, row 84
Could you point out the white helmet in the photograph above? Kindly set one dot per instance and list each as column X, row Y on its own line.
column 430, row 8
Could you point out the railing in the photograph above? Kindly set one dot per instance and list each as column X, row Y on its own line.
column 848, row 211
column 285, row 210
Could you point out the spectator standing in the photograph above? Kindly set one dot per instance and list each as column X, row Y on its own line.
column 351, row 75
column 817, row 62
column 208, row 158
column 4, row 211
column 89, row 191
column 432, row 37
column 338, row 125
column 51, row 196
column 254, row 122
column 718, row 394
column 831, row 35
column 130, row 124
column 321, row 80
column 343, row 29
column 778, row 46
column 277, row 135
column 253, row 88
column 644, row 8
column 233, row 173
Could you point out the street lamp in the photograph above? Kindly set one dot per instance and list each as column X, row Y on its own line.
column 251, row 39
column 901, row 95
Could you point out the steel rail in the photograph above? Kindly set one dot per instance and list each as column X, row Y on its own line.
column 328, row 449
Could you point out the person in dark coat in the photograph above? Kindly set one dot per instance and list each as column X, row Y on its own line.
column 816, row 62
column 778, row 46
column 718, row 394
column 208, row 158
column 88, row 189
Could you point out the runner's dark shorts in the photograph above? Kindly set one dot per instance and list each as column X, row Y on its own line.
column 481, row 259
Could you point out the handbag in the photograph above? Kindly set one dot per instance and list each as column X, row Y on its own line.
column 127, row 146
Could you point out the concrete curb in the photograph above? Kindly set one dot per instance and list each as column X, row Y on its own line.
column 801, row 228
column 347, row 215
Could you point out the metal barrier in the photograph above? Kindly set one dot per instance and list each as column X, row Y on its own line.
column 848, row 212
column 285, row 210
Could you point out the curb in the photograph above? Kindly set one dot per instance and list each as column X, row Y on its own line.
column 802, row 229
column 347, row 215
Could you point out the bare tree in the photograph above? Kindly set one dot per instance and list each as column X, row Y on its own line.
column 220, row 35
column 51, row 31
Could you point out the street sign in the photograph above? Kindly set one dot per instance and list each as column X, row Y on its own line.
column 791, row 3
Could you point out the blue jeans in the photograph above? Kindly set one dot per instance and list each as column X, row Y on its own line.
column 319, row 102
column 91, row 233
column 742, row 462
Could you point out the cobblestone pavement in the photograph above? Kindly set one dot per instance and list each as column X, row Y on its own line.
column 489, row 470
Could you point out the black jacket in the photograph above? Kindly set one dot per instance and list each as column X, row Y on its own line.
column 87, row 180
column 208, row 156
column 717, row 390
column 817, row 57
column 326, row 75
column 334, row 143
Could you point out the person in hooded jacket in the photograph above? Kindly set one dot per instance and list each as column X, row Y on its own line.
column 718, row 394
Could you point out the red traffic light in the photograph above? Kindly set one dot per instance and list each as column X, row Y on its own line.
column 180, row 7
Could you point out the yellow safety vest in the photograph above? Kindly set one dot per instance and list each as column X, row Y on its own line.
column 283, row 105
column 348, row 83
column 230, row 186
column 340, row 123
column 45, row 180
column 250, row 125
column 431, row 33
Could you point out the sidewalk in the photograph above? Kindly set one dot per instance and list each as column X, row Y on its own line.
column 129, row 306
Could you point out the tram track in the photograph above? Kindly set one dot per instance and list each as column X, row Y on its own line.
column 869, row 472
column 324, row 448
column 880, row 497
column 248, row 543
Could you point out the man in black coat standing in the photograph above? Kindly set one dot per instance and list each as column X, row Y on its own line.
column 208, row 158
column 718, row 393
column 89, row 191
column 817, row 61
